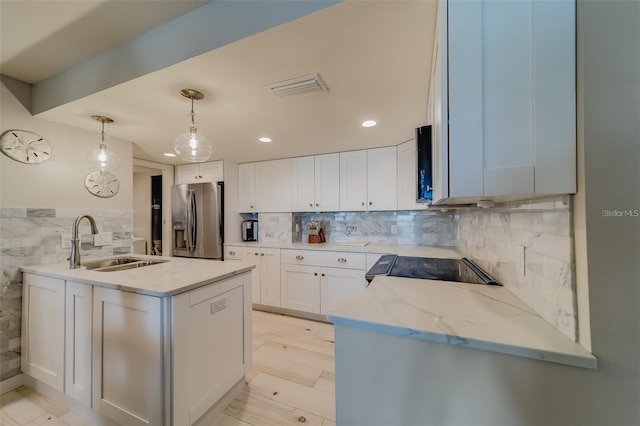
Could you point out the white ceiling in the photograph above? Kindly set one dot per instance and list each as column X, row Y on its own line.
column 374, row 56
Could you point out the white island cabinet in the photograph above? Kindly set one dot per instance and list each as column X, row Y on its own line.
column 152, row 355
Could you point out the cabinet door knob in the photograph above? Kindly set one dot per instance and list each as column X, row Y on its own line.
column 315, row 274
column 317, row 205
column 363, row 203
column 232, row 252
column 255, row 254
column 370, row 203
column 261, row 254
column 310, row 204
column 323, row 275
column 342, row 260
column 299, row 257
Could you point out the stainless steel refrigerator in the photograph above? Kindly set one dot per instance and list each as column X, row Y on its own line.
column 197, row 219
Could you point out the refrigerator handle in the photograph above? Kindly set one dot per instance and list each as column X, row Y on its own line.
column 191, row 227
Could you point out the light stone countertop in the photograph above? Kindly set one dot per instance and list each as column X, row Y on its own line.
column 176, row 276
column 356, row 247
column 470, row 315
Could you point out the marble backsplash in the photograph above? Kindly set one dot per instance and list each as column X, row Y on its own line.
column 528, row 247
column 31, row 236
column 426, row 228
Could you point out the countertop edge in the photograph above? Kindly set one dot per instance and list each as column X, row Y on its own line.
column 123, row 287
column 587, row 360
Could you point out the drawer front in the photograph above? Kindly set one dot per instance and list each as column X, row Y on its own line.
column 333, row 259
column 233, row 253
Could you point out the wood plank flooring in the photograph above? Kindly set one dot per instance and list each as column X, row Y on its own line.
column 292, row 382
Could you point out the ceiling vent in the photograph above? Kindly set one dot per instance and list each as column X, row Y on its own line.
column 301, row 86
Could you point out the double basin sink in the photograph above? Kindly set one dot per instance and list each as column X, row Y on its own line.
column 119, row 264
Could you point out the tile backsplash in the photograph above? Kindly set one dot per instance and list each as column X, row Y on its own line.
column 31, row 236
column 528, row 247
column 427, row 228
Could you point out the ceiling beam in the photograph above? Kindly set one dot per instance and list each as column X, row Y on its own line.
column 197, row 32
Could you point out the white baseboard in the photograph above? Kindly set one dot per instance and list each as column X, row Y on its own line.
column 12, row 383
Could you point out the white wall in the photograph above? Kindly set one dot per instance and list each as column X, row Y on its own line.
column 59, row 182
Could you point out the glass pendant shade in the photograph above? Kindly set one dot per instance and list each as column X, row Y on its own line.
column 101, row 158
column 192, row 146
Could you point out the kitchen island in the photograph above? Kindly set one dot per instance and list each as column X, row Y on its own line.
column 424, row 352
column 164, row 344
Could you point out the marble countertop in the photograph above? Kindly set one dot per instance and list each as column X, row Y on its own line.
column 362, row 247
column 471, row 315
column 176, row 276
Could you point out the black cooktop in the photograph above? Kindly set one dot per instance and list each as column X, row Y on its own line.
column 430, row 268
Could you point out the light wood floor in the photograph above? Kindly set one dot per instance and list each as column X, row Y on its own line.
column 291, row 382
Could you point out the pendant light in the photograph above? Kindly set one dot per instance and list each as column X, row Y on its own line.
column 192, row 146
column 101, row 158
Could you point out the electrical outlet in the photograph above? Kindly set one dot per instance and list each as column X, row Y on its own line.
column 65, row 241
column 218, row 305
column 522, row 260
column 103, row 239
column 394, row 229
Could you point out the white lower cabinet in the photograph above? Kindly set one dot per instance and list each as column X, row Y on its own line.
column 43, row 329
column 78, row 318
column 266, row 275
column 338, row 285
column 134, row 358
column 127, row 356
column 300, row 288
column 313, row 281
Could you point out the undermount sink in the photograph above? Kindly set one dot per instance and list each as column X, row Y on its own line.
column 119, row 264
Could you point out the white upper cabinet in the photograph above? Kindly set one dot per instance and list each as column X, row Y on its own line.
column 265, row 186
column 327, row 182
column 303, row 184
column 368, row 179
column 273, row 186
column 353, row 181
column 382, row 179
column 511, row 100
column 247, row 188
column 315, row 182
column 212, row 171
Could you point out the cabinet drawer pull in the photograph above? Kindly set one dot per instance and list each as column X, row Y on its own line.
column 299, row 257
column 342, row 260
column 232, row 253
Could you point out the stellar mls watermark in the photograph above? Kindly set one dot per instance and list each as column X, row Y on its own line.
column 621, row 213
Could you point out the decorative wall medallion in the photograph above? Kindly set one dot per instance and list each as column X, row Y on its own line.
column 24, row 146
column 102, row 184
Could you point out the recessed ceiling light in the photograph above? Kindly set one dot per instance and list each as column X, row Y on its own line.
column 265, row 139
column 368, row 123
column 169, row 154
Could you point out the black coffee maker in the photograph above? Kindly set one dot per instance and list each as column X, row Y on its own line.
column 250, row 230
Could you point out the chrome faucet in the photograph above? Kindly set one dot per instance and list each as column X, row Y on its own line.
column 74, row 259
